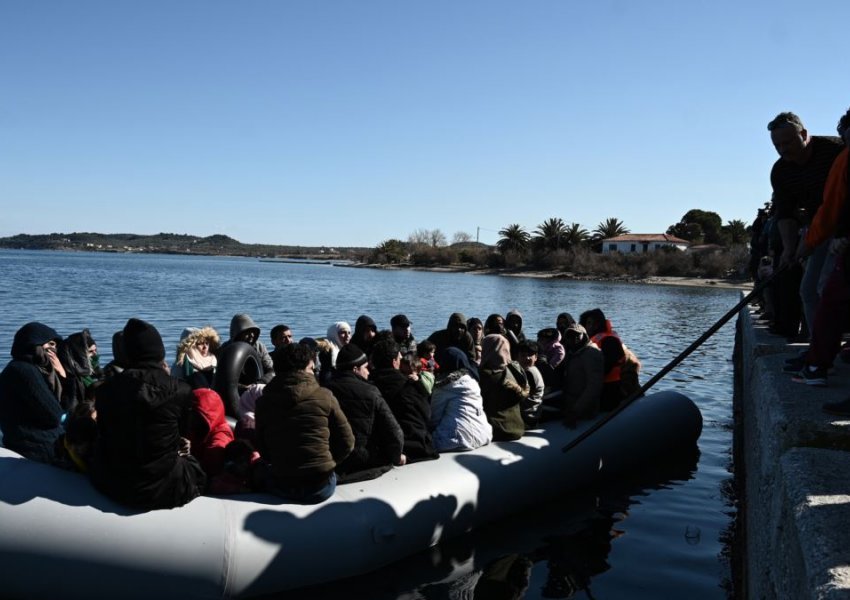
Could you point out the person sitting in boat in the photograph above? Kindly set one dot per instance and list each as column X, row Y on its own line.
column 583, row 374
column 209, row 433
column 119, row 361
column 402, row 334
column 364, row 334
column 563, row 321
column 551, row 348
column 407, row 399
column 76, row 353
column 621, row 365
column 503, row 388
column 379, row 440
column 513, row 330
column 141, row 457
column 476, row 329
column 302, row 432
column 30, row 411
column 458, row 421
column 339, row 334
column 495, row 323
column 281, row 335
column 454, row 335
column 243, row 329
column 527, row 353
column 196, row 359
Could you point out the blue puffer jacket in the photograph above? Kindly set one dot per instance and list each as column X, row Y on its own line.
column 30, row 413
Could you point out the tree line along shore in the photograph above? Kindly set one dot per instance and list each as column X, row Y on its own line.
column 554, row 248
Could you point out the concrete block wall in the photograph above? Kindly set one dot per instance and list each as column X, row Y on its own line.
column 793, row 467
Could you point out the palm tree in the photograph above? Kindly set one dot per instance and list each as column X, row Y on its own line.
column 575, row 235
column 736, row 230
column 610, row 228
column 550, row 234
column 513, row 239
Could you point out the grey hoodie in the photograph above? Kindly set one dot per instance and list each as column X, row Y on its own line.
column 241, row 323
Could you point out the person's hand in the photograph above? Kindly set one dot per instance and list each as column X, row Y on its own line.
column 402, row 461
column 54, row 361
column 184, row 447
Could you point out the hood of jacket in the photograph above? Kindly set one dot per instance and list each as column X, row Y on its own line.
column 364, row 323
column 584, row 338
column 192, row 335
column 495, row 352
column 455, row 320
column 73, row 353
column 210, row 407
column 513, row 316
column 29, row 337
column 241, row 323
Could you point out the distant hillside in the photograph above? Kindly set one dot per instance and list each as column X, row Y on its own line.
column 170, row 243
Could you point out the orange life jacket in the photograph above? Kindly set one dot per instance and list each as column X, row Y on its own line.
column 628, row 360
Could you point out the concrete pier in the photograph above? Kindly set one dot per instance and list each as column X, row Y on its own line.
column 792, row 466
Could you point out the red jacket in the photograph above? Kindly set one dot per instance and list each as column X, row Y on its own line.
column 210, row 432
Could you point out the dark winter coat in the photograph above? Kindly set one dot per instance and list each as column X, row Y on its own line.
column 378, row 438
column 448, row 338
column 30, row 413
column 301, row 429
column 411, row 408
column 141, row 416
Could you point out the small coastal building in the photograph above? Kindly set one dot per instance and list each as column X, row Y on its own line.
column 638, row 243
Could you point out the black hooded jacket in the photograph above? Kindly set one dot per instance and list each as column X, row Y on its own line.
column 363, row 325
column 30, row 413
column 412, row 409
column 141, row 415
column 449, row 338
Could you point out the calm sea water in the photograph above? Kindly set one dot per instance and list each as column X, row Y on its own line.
column 660, row 534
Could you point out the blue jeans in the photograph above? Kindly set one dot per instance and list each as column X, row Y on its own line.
column 305, row 494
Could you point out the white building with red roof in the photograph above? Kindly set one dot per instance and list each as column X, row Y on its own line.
column 638, row 243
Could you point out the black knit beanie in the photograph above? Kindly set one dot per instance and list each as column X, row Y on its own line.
column 142, row 342
column 349, row 357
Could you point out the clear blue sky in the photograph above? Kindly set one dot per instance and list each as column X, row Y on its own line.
column 350, row 122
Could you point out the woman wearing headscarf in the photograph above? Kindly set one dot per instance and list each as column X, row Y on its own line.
column 339, row 334
column 457, row 420
column 503, row 388
column 30, row 412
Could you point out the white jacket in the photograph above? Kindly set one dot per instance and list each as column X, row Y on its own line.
column 458, row 421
